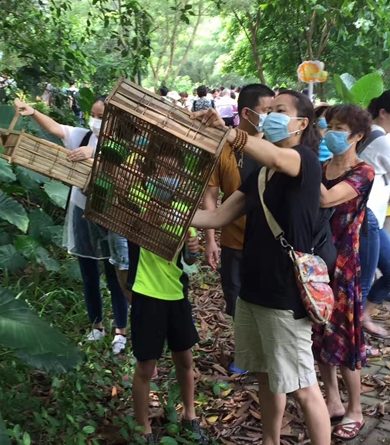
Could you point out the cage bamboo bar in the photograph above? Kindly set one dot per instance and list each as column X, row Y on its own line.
column 152, row 166
column 49, row 159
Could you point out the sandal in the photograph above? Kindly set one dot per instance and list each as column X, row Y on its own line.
column 348, row 430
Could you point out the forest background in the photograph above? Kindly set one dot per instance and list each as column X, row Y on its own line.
column 179, row 43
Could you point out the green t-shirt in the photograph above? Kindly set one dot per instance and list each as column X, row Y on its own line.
column 156, row 277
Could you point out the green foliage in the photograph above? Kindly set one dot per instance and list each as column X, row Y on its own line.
column 32, row 339
column 361, row 91
column 57, row 192
column 86, row 99
column 13, row 212
column 4, row 439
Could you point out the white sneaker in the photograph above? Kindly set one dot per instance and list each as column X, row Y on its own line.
column 96, row 335
column 118, row 344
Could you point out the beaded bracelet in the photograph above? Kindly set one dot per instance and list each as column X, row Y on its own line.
column 240, row 140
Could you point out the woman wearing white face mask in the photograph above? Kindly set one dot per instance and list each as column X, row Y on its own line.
column 88, row 241
column 346, row 185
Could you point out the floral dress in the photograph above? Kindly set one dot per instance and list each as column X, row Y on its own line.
column 341, row 341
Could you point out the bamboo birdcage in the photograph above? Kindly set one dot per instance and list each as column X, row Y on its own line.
column 152, row 166
column 44, row 157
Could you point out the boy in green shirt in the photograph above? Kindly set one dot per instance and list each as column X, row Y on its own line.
column 160, row 313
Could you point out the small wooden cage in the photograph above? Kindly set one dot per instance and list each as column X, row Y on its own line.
column 44, row 157
column 51, row 160
column 153, row 163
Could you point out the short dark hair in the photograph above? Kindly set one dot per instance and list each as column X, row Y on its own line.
column 101, row 98
column 163, row 90
column 357, row 119
column 310, row 135
column 183, row 94
column 320, row 110
column 379, row 103
column 201, row 91
column 250, row 95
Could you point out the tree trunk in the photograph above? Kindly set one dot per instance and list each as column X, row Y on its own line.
column 251, row 35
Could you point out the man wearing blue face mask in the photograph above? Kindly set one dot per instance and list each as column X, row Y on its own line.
column 324, row 153
column 253, row 105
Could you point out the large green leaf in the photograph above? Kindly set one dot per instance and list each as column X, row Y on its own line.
column 13, row 212
column 42, row 227
column 11, row 259
column 32, row 338
column 6, row 172
column 342, row 90
column 30, row 179
column 57, row 192
column 44, row 258
column 367, row 88
column 26, row 245
column 4, row 439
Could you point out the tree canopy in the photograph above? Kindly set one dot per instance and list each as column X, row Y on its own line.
column 182, row 43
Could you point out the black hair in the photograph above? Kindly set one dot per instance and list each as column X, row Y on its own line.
column 251, row 94
column 101, row 98
column 163, row 90
column 357, row 119
column 320, row 110
column 201, row 91
column 310, row 135
column 379, row 103
column 232, row 94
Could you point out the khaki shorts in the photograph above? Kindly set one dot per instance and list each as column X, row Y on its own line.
column 273, row 342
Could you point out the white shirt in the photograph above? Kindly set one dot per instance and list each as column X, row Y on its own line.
column 72, row 140
column 225, row 106
column 377, row 154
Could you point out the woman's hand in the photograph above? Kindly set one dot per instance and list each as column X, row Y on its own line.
column 80, row 154
column 23, row 109
column 210, row 118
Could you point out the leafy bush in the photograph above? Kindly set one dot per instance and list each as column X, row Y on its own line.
column 361, row 91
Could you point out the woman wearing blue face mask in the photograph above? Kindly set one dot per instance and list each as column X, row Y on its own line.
column 84, row 239
column 324, row 152
column 346, row 184
column 272, row 330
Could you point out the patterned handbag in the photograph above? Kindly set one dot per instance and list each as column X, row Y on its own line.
column 311, row 271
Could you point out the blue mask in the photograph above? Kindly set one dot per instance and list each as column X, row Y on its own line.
column 337, row 141
column 321, row 123
column 262, row 117
column 162, row 189
column 275, row 127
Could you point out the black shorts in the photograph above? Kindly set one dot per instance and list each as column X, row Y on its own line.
column 154, row 321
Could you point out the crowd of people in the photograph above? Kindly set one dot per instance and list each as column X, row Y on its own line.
column 315, row 157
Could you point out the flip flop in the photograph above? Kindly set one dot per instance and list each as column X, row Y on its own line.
column 347, row 430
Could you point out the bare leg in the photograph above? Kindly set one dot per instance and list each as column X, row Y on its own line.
column 316, row 414
column 141, row 388
column 272, row 409
column 185, row 377
column 352, row 383
column 333, row 400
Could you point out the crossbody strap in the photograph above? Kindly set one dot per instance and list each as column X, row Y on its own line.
column 276, row 230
